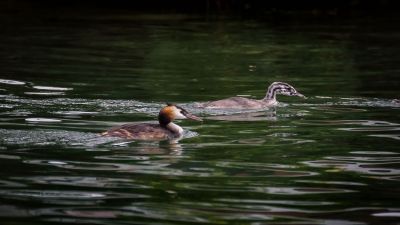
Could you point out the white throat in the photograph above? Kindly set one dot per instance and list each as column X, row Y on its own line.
column 176, row 129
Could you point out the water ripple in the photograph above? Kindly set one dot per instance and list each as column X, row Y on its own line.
column 79, row 181
column 392, row 136
column 273, row 202
column 11, row 82
column 67, row 197
column 368, row 123
column 385, row 166
column 42, row 93
column 41, row 137
column 42, row 120
column 260, row 170
column 105, row 106
column 86, row 166
column 50, row 88
column 387, row 214
column 352, row 101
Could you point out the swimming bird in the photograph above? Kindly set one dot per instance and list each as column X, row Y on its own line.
column 165, row 130
column 246, row 103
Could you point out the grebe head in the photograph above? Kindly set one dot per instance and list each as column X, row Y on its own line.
column 171, row 112
column 283, row 89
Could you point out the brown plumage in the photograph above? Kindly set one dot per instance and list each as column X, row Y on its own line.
column 166, row 129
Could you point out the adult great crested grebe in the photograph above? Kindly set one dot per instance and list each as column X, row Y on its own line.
column 246, row 103
column 165, row 130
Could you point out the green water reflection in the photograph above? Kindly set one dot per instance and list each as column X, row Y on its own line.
column 330, row 159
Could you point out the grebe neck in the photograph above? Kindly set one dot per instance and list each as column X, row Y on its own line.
column 174, row 128
column 167, row 123
column 271, row 93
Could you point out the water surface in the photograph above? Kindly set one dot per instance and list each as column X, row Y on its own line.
column 330, row 159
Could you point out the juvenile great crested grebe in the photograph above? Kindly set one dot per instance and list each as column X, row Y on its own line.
column 166, row 129
column 246, row 103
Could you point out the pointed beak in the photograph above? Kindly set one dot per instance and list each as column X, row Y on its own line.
column 193, row 117
column 301, row 96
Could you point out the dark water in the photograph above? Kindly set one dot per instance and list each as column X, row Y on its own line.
column 330, row 159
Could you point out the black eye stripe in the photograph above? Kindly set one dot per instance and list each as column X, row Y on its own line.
column 183, row 111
